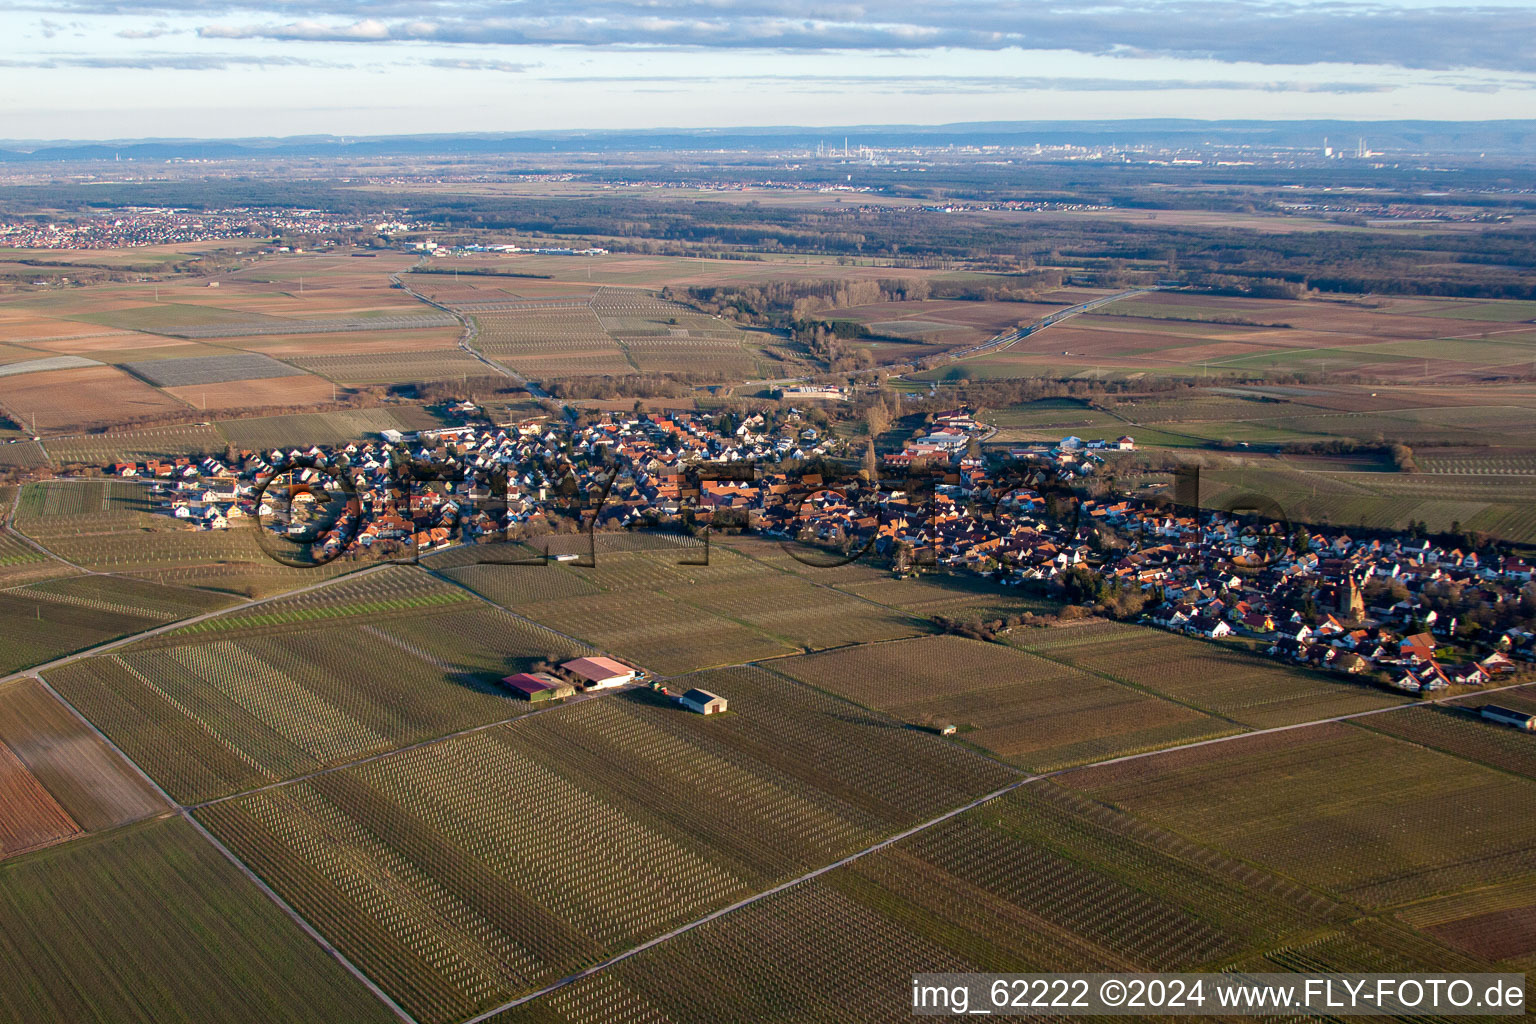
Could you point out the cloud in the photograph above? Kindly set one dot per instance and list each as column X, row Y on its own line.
column 1263, row 31
column 947, row 84
column 168, row 61
column 477, row 64
column 146, row 33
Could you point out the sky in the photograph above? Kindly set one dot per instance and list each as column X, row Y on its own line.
column 109, row 69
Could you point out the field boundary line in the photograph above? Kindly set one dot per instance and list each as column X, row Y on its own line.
column 176, row 807
column 1281, row 728
column 1025, row 780
column 580, row 698
column 754, row 898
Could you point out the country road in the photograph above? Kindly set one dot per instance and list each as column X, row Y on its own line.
column 466, row 341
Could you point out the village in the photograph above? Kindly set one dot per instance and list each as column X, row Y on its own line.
column 1400, row 610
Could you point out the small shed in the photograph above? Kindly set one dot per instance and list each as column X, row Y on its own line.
column 1508, row 716
column 702, row 701
column 598, row 673
column 537, row 687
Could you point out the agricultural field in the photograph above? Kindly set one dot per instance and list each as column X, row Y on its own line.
column 11, row 369
column 171, row 373
column 30, row 818
column 393, row 367
column 295, row 685
column 20, row 562
column 659, row 633
column 23, row 455
column 1229, row 684
column 57, row 617
column 262, row 393
column 796, row 610
column 1039, row 880
column 957, row 596
column 99, row 396
column 89, row 785
column 1492, row 922
column 136, row 445
column 1035, row 713
column 1374, row 820
column 543, row 845
column 1186, row 335
column 1457, row 730
column 104, row 525
column 152, row 924
column 546, row 343
column 615, row 331
column 267, row 432
column 672, row 616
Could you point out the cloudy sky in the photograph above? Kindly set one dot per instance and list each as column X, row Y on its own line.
column 116, row 69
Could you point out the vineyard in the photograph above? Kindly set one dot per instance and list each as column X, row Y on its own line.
column 90, row 782
column 515, row 586
column 25, row 455
column 20, row 561
column 169, row 373
column 547, row 343
column 157, row 904
column 1410, row 823
column 268, row 701
column 791, row 608
column 268, row 432
column 659, row 633
column 136, row 445
column 1036, row 881
column 1457, row 730
column 58, row 617
column 66, row 506
column 1034, row 712
column 1230, row 684
column 393, row 367
column 524, row 852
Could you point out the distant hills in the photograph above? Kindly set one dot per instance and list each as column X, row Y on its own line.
column 1459, row 138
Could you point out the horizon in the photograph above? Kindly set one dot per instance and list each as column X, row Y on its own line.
column 96, row 69
column 950, row 130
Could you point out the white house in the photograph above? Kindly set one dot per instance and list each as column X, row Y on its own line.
column 703, row 702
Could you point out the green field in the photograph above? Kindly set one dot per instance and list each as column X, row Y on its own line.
column 153, row 925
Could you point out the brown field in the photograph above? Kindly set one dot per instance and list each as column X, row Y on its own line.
column 29, row 817
column 256, row 394
column 21, row 326
column 1497, row 935
column 97, row 396
column 341, row 343
column 94, row 786
column 128, row 346
column 1183, row 333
